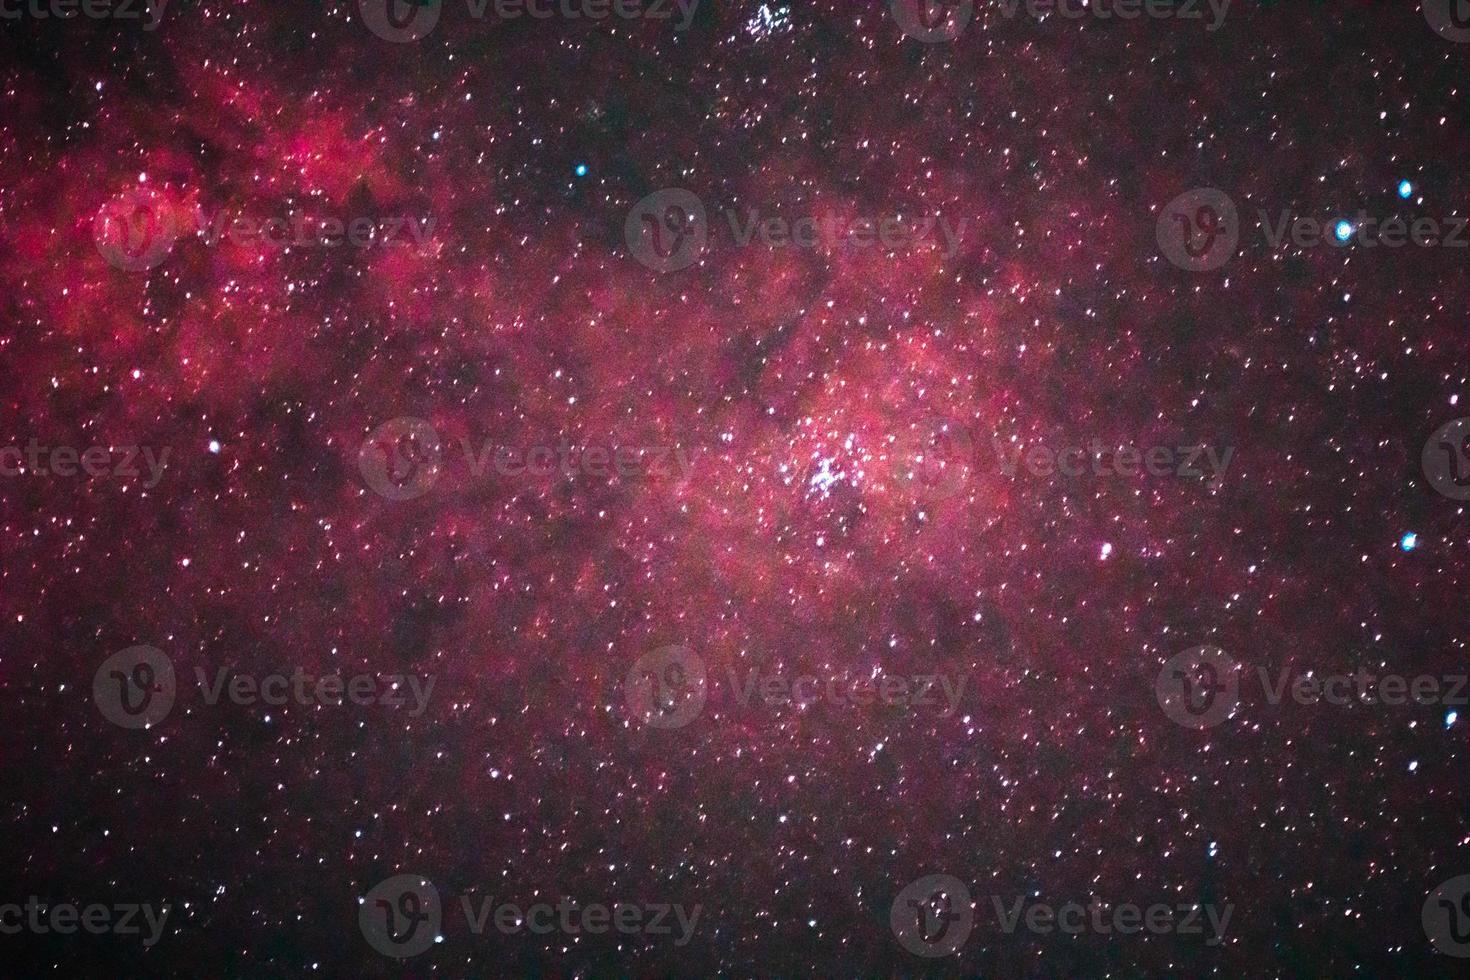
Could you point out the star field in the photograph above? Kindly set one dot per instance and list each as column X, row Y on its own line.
column 418, row 374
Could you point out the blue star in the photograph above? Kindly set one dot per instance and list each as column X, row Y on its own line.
column 1406, row 189
column 581, row 170
column 1343, row 230
column 1409, row 541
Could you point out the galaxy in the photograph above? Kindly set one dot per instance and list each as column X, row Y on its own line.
column 692, row 488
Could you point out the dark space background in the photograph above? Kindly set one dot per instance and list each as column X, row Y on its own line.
column 791, row 378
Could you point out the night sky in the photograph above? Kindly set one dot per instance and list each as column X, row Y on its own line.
column 839, row 470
